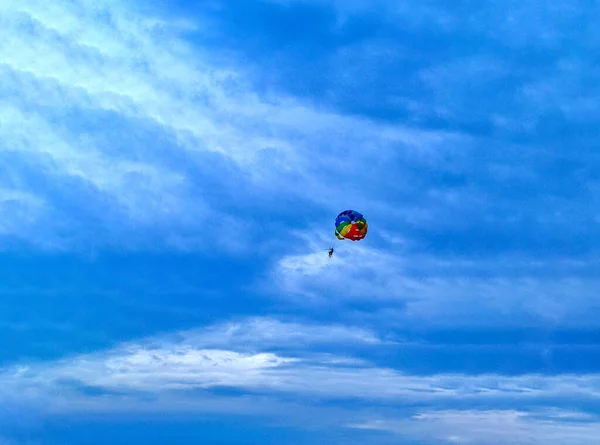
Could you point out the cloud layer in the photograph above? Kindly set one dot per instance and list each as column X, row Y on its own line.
column 158, row 372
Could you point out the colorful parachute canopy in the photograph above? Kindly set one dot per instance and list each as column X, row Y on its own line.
column 351, row 225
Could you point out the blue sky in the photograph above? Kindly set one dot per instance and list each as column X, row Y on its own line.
column 171, row 172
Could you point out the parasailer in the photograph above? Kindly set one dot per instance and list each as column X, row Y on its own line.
column 351, row 225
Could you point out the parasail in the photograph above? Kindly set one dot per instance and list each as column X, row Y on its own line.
column 351, row 225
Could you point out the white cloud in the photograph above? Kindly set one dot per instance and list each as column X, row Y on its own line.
column 316, row 276
column 139, row 188
column 494, row 427
column 189, row 362
column 67, row 65
column 424, row 289
column 265, row 332
column 181, row 90
column 182, row 373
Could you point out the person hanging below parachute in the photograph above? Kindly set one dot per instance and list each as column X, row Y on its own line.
column 351, row 225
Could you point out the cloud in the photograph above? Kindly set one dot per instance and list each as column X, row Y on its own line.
column 425, row 289
column 190, row 361
column 123, row 119
column 266, row 332
column 494, row 427
column 301, row 374
column 131, row 121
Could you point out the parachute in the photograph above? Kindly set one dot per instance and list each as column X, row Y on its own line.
column 351, row 225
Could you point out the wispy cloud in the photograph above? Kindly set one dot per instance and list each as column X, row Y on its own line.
column 425, row 289
column 265, row 332
column 131, row 123
column 494, row 427
column 185, row 373
column 95, row 97
column 164, row 364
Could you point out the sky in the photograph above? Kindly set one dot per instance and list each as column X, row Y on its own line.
column 171, row 173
